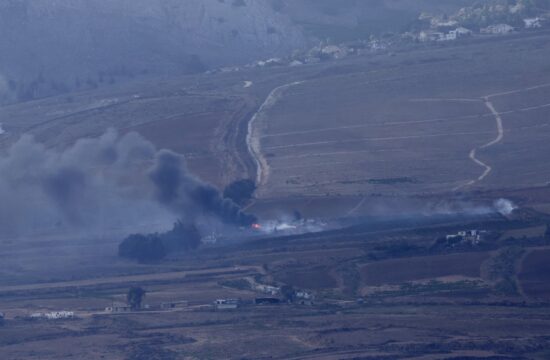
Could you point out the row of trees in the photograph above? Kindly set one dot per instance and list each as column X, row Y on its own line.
column 147, row 248
column 154, row 247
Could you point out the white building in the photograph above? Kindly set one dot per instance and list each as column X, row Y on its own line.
column 54, row 315
column 499, row 29
column 57, row 315
column 267, row 289
column 429, row 35
column 533, row 23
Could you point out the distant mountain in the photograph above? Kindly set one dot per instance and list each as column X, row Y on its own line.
column 53, row 46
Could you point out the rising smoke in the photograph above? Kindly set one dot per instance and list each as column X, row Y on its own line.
column 504, row 207
column 102, row 184
column 178, row 189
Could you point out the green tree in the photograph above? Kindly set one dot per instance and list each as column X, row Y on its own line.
column 135, row 297
column 288, row 292
column 143, row 248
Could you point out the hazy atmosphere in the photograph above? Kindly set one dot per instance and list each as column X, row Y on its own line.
column 274, row 179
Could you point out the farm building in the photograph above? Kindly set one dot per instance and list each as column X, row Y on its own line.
column 118, row 308
column 227, row 304
column 304, row 298
column 430, row 35
column 533, row 23
column 267, row 289
column 474, row 237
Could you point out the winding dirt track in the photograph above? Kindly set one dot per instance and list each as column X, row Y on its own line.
column 113, row 280
column 500, row 130
column 473, row 152
column 253, row 137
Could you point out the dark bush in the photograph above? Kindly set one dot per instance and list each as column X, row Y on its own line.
column 182, row 237
column 143, row 248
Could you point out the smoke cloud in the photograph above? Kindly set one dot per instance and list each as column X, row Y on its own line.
column 179, row 190
column 504, row 207
column 112, row 182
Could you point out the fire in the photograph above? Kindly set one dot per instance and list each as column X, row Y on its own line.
column 256, row 226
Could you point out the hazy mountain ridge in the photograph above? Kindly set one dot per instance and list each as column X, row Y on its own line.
column 52, row 47
column 57, row 46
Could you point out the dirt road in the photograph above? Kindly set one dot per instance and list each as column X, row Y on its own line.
column 253, row 137
column 124, row 279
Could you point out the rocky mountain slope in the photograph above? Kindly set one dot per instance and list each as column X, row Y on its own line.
column 53, row 46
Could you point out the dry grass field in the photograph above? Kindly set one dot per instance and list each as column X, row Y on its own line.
column 408, row 127
column 535, row 274
column 378, row 135
column 397, row 271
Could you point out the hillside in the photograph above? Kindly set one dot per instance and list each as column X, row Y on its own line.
column 51, row 47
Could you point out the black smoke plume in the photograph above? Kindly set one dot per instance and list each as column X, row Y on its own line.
column 181, row 191
column 102, row 184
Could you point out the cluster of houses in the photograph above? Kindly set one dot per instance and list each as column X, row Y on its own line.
column 435, row 34
column 271, row 295
column 325, row 51
column 470, row 237
column 54, row 315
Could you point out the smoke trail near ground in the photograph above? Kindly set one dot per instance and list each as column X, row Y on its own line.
column 101, row 184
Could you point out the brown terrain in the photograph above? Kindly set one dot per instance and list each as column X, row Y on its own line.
column 360, row 138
